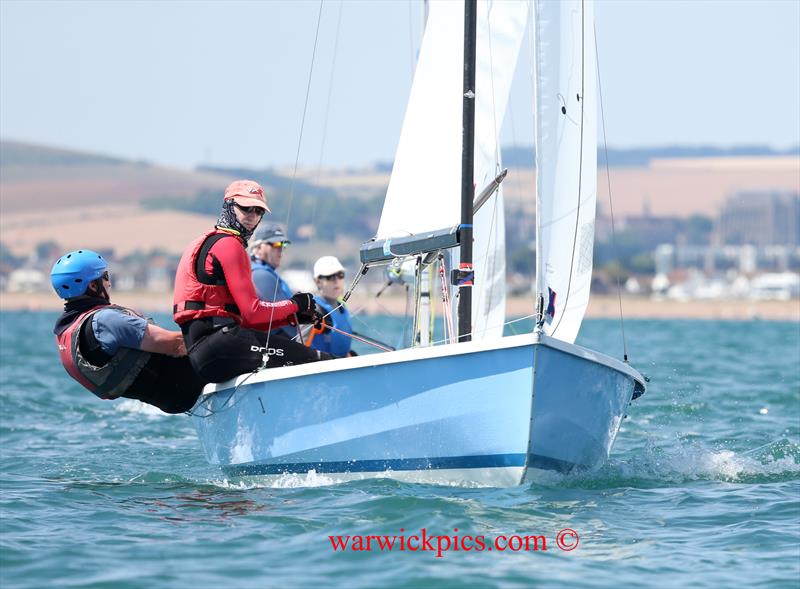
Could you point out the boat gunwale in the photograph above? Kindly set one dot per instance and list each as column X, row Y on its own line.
column 413, row 354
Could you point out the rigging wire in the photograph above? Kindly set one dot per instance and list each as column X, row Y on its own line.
column 303, row 119
column 325, row 120
column 485, row 297
column 610, row 199
column 447, row 308
column 531, row 79
column 299, row 144
column 361, row 339
column 517, row 320
column 491, row 80
column 371, row 327
column 533, row 71
column 411, row 38
column 204, row 402
column 415, row 336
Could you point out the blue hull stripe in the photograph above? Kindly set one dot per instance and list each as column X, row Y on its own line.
column 545, row 463
column 485, row 461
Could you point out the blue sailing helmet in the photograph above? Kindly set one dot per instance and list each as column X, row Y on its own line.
column 73, row 272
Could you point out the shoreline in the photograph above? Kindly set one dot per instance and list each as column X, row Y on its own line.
column 600, row 306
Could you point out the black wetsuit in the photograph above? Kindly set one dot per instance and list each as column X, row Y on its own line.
column 221, row 349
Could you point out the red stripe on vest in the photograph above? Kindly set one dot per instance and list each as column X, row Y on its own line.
column 66, row 353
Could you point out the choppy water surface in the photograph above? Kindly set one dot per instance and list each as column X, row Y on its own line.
column 703, row 488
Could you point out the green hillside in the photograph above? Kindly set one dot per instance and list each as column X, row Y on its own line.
column 18, row 154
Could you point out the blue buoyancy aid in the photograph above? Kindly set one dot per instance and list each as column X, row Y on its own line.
column 263, row 271
column 336, row 344
column 283, row 291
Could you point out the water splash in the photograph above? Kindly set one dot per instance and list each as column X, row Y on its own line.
column 283, row 481
column 695, row 461
column 138, row 408
column 688, row 461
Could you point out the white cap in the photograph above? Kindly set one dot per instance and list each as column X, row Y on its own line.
column 327, row 266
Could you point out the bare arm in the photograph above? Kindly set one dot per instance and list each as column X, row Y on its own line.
column 162, row 341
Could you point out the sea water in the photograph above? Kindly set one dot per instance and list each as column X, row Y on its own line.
column 702, row 489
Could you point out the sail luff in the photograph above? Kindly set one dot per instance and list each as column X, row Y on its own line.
column 501, row 27
column 566, row 162
column 427, row 164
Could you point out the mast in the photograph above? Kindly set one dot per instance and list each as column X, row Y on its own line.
column 466, row 272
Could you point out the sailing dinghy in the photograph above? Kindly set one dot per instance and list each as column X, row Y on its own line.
column 478, row 409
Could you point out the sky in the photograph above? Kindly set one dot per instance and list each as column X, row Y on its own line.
column 183, row 83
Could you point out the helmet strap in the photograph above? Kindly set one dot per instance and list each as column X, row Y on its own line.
column 100, row 289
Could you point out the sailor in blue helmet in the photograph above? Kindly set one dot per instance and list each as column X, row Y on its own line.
column 266, row 253
column 114, row 351
column 329, row 276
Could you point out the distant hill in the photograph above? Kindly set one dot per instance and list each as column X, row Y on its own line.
column 269, row 178
column 525, row 157
column 36, row 177
column 79, row 199
column 18, row 154
column 319, row 207
column 109, row 203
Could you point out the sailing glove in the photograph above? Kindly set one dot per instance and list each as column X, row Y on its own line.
column 323, row 323
column 307, row 317
column 304, row 301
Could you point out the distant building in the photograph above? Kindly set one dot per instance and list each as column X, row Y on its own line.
column 745, row 259
column 27, row 280
column 651, row 231
column 664, row 258
column 761, row 219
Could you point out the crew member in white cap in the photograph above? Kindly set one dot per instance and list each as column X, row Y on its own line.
column 329, row 276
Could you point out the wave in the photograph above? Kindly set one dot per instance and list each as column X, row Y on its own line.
column 777, row 461
column 656, row 465
column 139, row 408
column 285, row 481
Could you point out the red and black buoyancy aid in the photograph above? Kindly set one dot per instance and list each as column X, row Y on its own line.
column 199, row 294
column 112, row 379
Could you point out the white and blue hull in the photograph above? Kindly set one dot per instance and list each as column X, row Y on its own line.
column 474, row 413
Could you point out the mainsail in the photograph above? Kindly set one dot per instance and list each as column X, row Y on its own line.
column 566, row 162
column 425, row 187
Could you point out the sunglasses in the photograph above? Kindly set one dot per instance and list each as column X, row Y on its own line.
column 250, row 210
column 106, row 276
column 338, row 275
column 279, row 244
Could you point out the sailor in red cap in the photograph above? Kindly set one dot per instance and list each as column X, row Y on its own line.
column 225, row 325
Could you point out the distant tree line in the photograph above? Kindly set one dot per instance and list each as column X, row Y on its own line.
column 302, row 204
column 16, row 153
column 332, row 216
column 525, row 156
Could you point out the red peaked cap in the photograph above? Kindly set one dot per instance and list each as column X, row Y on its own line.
column 247, row 193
